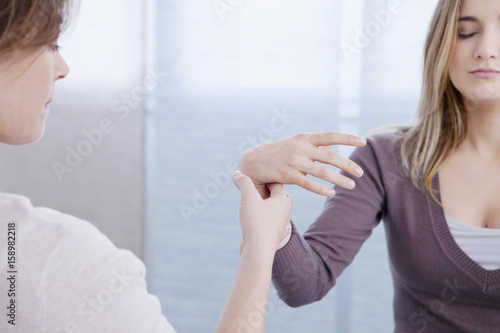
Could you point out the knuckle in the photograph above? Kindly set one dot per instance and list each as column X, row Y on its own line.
column 351, row 165
column 305, row 183
column 334, row 158
column 322, row 172
column 301, row 136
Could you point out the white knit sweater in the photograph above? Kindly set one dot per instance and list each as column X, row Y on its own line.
column 68, row 277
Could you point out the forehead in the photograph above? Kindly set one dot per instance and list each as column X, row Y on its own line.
column 481, row 9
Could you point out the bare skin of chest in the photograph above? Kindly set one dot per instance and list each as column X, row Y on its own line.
column 470, row 190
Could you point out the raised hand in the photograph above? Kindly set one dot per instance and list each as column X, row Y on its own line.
column 290, row 160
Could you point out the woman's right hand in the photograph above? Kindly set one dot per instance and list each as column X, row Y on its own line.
column 290, row 160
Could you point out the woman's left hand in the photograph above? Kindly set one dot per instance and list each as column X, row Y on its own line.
column 265, row 223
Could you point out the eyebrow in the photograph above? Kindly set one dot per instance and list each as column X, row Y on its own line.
column 468, row 19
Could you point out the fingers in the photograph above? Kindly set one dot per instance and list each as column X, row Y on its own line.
column 314, row 187
column 245, row 185
column 329, row 157
column 335, row 138
column 310, row 167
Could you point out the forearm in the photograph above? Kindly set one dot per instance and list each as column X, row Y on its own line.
column 299, row 274
column 245, row 308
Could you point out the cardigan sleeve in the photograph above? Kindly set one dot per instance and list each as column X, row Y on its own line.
column 308, row 266
column 89, row 285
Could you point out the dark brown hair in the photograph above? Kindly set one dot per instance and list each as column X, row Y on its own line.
column 31, row 23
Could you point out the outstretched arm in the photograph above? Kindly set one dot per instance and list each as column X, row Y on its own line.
column 263, row 223
column 307, row 267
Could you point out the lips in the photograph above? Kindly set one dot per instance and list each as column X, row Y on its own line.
column 485, row 73
column 47, row 104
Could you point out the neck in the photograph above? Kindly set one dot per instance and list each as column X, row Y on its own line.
column 483, row 136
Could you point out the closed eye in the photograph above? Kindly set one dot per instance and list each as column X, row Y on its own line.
column 463, row 36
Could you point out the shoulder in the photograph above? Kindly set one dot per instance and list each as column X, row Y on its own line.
column 47, row 229
column 69, row 264
column 381, row 159
column 74, row 266
column 14, row 206
column 78, row 245
column 59, row 241
column 381, row 151
column 385, row 140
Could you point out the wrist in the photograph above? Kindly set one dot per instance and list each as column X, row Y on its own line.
column 261, row 251
column 247, row 166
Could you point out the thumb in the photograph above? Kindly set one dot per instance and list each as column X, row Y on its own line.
column 277, row 190
column 245, row 185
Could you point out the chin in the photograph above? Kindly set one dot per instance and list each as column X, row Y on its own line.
column 27, row 138
column 35, row 136
column 483, row 95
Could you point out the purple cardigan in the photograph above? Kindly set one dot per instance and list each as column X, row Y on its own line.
column 438, row 288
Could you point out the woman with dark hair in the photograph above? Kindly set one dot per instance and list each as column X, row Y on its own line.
column 59, row 273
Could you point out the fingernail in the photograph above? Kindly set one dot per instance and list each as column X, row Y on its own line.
column 237, row 173
column 362, row 140
column 330, row 193
column 359, row 172
column 351, row 184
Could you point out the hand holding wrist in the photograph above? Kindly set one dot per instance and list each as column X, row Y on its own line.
column 263, row 222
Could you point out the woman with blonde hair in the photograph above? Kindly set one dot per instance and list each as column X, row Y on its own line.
column 436, row 185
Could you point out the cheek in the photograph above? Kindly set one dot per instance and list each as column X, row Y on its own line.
column 25, row 111
column 459, row 69
column 41, row 82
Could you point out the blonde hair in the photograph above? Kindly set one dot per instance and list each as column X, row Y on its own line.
column 441, row 119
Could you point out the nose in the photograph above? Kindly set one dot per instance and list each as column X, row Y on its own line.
column 61, row 68
column 488, row 46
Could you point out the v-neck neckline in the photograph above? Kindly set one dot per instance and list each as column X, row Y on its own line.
column 489, row 280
